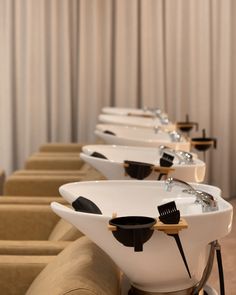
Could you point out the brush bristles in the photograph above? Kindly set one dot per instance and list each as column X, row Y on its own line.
column 168, row 157
column 167, row 208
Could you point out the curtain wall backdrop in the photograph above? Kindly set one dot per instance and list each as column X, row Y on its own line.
column 61, row 61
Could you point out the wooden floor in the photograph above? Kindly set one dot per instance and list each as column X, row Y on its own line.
column 228, row 250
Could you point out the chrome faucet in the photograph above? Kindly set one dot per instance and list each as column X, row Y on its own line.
column 157, row 128
column 182, row 156
column 153, row 110
column 186, row 157
column 162, row 117
column 175, row 136
column 158, row 114
column 171, row 182
column 205, row 199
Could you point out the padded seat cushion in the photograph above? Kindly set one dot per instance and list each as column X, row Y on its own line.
column 81, row 269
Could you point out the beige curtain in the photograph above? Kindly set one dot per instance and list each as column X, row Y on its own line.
column 62, row 60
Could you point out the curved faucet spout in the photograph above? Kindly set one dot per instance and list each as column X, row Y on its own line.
column 171, row 182
column 205, row 199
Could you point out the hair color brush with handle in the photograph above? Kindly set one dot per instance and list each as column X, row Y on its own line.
column 170, row 215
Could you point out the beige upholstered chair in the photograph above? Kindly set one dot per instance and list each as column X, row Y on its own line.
column 38, row 185
column 61, row 147
column 33, row 230
column 46, row 183
column 54, row 163
column 18, row 272
column 2, row 180
column 56, row 154
column 26, row 172
column 34, row 200
column 81, row 269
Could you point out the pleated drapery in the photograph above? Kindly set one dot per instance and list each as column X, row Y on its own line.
column 61, row 61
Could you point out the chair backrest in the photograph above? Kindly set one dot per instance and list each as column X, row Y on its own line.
column 2, row 179
column 64, row 231
column 91, row 173
column 61, row 147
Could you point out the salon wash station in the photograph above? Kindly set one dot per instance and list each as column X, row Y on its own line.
column 153, row 216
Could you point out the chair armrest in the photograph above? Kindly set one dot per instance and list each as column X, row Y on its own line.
column 32, row 247
column 18, row 272
column 82, row 268
column 26, row 222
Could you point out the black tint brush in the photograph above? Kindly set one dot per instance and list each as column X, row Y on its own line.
column 165, row 161
column 170, row 215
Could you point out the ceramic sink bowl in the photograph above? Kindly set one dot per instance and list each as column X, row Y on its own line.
column 158, row 267
column 138, row 121
column 127, row 111
column 136, row 136
column 113, row 166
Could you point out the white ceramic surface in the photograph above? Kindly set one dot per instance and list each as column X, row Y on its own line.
column 126, row 111
column 138, row 136
column 113, row 166
column 125, row 287
column 134, row 121
column 159, row 267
